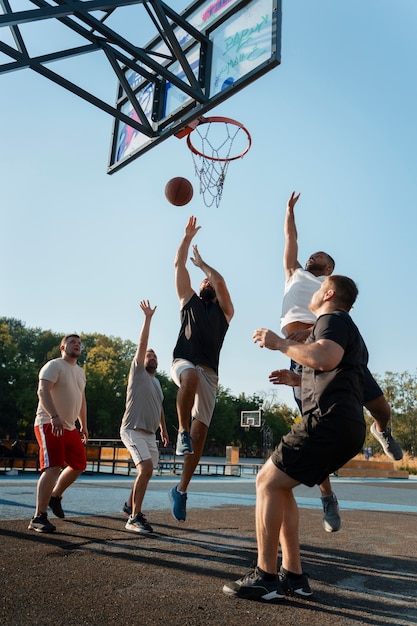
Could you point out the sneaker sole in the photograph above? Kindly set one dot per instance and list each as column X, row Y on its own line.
column 272, row 596
column 183, row 453
column 141, row 531
column 42, row 530
column 330, row 529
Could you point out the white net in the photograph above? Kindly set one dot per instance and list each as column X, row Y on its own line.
column 211, row 148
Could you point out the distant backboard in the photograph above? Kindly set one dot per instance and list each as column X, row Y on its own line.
column 200, row 58
column 251, row 419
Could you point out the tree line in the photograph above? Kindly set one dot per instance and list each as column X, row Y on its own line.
column 106, row 361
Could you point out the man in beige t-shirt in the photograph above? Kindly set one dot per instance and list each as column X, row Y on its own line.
column 61, row 403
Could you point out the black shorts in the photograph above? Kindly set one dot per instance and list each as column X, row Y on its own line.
column 316, row 447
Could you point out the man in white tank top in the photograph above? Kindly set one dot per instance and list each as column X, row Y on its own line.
column 296, row 320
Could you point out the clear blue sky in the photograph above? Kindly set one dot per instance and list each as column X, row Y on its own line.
column 336, row 121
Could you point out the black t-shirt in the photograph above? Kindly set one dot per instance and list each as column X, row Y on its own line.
column 203, row 328
column 340, row 390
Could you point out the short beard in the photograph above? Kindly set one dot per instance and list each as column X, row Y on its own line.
column 207, row 294
column 316, row 267
column 151, row 369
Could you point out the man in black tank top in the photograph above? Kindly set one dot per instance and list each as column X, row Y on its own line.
column 205, row 320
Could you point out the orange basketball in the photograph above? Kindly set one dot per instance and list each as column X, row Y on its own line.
column 179, row 191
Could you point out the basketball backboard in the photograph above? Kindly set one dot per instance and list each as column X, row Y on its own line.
column 251, row 419
column 200, row 58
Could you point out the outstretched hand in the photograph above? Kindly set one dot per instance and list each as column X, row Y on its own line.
column 197, row 260
column 292, row 201
column 146, row 308
column 267, row 339
column 285, row 377
column 191, row 229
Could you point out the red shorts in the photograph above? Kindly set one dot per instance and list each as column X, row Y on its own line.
column 67, row 449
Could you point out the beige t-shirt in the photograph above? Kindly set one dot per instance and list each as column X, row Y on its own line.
column 144, row 399
column 67, row 392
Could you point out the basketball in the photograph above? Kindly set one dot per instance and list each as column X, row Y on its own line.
column 179, row 191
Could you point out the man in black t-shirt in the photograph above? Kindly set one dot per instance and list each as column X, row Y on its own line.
column 332, row 431
column 205, row 320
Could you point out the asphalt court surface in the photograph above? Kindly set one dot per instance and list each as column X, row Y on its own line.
column 92, row 571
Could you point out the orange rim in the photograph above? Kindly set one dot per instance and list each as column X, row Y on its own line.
column 224, row 120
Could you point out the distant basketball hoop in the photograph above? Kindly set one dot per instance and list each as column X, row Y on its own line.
column 214, row 142
column 250, row 419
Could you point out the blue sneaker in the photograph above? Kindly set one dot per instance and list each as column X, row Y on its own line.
column 184, row 443
column 178, row 504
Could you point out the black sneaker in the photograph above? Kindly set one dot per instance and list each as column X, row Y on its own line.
column 292, row 586
column 41, row 524
column 138, row 524
column 127, row 510
column 253, row 587
column 55, row 506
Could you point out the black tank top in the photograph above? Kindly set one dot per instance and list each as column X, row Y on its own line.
column 203, row 328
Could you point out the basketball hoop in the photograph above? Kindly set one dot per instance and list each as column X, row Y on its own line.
column 211, row 140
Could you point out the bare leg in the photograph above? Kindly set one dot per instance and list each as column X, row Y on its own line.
column 185, row 397
column 44, row 488
column 288, row 537
column 66, row 478
column 325, row 488
column 276, row 518
column 380, row 411
column 145, row 470
column 198, row 435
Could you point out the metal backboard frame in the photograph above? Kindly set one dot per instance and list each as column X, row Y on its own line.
column 199, row 59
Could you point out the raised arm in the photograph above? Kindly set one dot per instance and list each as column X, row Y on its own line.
column 217, row 282
column 182, row 277
column 144, row 333
column 290, row 259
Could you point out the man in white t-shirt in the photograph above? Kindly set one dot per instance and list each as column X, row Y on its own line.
column 61, row 404
column 296, row 321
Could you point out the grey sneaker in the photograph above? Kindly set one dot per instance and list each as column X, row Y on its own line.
column 178, row 504
column 391, row 447
column 41, row 524
column 295, row 586
column 138, row 524
column 253, row 587
column 184, row 443
column 331, row 518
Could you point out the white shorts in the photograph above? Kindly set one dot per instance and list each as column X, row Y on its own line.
column 205, row 397
column 141, row 445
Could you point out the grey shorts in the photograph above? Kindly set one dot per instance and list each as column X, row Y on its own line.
column 141, row 445
column 205, row 397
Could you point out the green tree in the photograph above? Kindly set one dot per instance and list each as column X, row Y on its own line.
column 106, row 362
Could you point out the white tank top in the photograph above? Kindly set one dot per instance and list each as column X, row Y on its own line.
column 297, row 295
